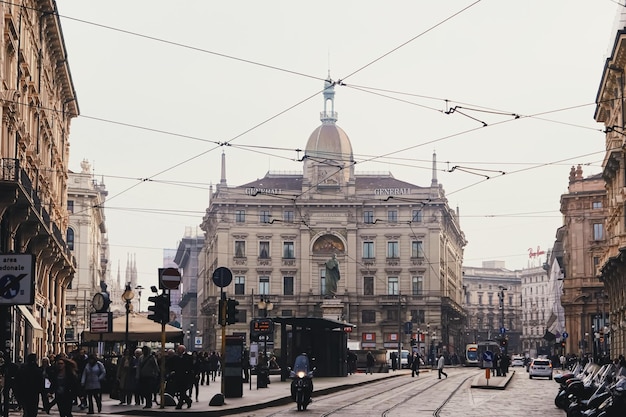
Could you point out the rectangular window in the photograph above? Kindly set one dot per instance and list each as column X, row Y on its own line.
column 392, row 286
column 288, row 216
column 288, row 285
column 368, row 316
column 70, row 206
column 286, row 313
column 417, row 285
column 323, row 281
column 368, row 285
column 418, row 316
column 240, row 285
column 596, row 263
column 240, row 216
column 264, row 285
column 368, row 216
column 596, row 205
column 490, row 299
column 393, row 250
column 368, row 250
column 264, row 216
column 392, row 216
column 392, row 315
column 416, row 216
column 264, row 250
column 480, row 299
column 289, row 251
column 417, row 249
column 598, row 231
column 240, row 248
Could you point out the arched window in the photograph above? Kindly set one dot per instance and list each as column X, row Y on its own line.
column 70, row 238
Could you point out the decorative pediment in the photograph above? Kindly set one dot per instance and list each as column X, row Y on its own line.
column 368, row 237
column 393, row 271
column 289, row 237
column 241, row 271
column 262, row 271
column 240, row 236
column 263, row 236
column 392, row 237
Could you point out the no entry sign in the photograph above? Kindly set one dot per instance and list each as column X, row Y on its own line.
column 170, row 278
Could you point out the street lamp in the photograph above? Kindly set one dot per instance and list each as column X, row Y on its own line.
column 427, row 347
column 127, row 296
column 139, row 288
column 265, row 305
column 73, row 323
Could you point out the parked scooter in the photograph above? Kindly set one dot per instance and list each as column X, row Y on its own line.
column 578, row 372
column 302, row 384
column 613, row 406
column 593, row 387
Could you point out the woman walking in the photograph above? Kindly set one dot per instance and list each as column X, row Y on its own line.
column 93, row 375
column 65, row 385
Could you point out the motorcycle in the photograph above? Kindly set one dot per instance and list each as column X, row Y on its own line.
column 614, row 405
column 302, row 384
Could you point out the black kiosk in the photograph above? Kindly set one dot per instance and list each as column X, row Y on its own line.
column 323, row 340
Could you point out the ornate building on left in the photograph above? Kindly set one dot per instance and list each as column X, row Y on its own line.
column 38, row 103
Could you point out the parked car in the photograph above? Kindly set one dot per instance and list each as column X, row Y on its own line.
column 517, row 360
column 540, row 367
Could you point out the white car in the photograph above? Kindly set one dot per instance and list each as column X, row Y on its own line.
column 540, row 367
column 517, row 361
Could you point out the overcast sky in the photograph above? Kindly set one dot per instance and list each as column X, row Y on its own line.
column 162, row 84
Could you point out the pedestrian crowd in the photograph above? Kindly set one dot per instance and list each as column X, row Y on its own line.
column 77, row 379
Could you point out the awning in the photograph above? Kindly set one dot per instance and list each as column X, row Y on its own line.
column 28, row 316
column 140, row 329
column 313, row 322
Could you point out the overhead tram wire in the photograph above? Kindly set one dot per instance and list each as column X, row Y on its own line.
column 407, row 42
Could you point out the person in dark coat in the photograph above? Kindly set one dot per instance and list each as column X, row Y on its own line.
column 351, row 358
column 183, row 376
column 65, row 385
column 394, row 360
column 415, row 365
column 370, row 362
column 29, row 386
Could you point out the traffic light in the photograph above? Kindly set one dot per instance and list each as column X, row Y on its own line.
column 222, row 313
column 503, row 342
column 160, row 309
column 231, row 311
column 413, row 342
column 562, row 344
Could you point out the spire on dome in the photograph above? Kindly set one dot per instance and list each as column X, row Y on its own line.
column 433, row 182
column 329, row 116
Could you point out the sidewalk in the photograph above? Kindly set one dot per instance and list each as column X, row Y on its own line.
column 277, row 393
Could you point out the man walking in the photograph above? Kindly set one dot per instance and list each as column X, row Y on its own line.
column 183, row 376
column 415, row 365
column 440, row 364
column 370, row 363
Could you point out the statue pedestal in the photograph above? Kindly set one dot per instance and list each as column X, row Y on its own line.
column 332, row 308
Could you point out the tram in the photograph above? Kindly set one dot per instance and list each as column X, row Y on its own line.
column 474, row 352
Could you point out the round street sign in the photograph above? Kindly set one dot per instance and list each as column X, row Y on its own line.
column 222, row 277
column 170, row 277
column 565, row 335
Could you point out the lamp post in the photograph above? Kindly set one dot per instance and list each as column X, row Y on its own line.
column 127, row 296
column 72, row 323
column 139, row 288
column 427, row 347
column 265, row 305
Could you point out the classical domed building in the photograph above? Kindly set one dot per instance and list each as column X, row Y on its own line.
column 399, row 248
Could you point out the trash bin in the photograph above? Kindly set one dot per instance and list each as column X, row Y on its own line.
column 262, row 376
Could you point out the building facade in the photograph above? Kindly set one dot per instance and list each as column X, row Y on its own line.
column 584, row 241
column 187, row 260
column 399, row 248
column 610, row 111
column 492, row 299
column 87, row 240
column 38, row 104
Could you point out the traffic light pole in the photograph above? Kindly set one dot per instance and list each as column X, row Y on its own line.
column 223, row 323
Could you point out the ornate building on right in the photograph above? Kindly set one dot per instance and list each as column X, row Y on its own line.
column 584, row 241
column 610, row 111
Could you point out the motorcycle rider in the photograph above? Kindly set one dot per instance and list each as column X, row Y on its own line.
column 301, row 364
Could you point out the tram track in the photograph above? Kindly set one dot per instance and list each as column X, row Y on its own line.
column 383, row 398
